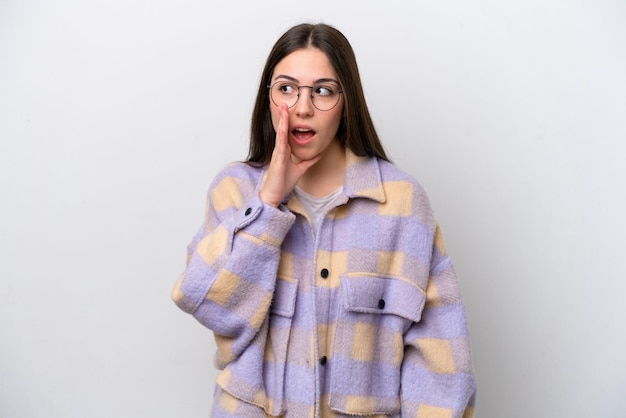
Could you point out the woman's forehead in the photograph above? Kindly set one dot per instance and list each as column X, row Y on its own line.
column 305, row 65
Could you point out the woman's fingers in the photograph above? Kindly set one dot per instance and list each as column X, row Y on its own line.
column 281, row 142
column 283, row 124
column 277, row 184
column 284, row 170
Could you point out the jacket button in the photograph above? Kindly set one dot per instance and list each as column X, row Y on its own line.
column 323, row 360
column 381, row 304
column 324, row 273
column 248, row 211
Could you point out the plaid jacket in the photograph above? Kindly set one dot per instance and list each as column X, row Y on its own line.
column 363, row 318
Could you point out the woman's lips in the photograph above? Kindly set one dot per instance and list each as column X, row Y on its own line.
column 302, row 135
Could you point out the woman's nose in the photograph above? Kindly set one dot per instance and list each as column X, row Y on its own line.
column 304, row 105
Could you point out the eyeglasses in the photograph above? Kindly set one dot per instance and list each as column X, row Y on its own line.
column 324, row 96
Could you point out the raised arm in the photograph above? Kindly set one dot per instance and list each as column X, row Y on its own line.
column 230, row 276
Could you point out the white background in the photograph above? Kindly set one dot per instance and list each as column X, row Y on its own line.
column 115, row 115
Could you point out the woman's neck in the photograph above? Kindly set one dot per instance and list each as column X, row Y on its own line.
column 327, row 174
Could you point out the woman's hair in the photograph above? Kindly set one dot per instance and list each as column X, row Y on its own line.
column 356, row 130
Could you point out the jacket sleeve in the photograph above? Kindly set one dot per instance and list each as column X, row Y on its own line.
column 437, row 373
column 232, row 262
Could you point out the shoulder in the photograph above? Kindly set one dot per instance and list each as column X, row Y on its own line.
column 391, row 175
column 405, row 193
column 235, row 183
column 240, row 171
column 240, row 174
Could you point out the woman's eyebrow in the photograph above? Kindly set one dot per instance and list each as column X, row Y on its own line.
column 295, row 80
column 327, row 80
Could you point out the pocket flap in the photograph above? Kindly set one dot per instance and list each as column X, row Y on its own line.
column 384, row 295
column 284, row 300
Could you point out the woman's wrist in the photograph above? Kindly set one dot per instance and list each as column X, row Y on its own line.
column 268, row 200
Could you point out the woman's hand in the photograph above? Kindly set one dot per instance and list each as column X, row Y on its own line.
column 284, row 170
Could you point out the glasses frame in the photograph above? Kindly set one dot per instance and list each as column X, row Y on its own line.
column 270, row 86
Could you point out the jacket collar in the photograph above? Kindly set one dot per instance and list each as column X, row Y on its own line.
column 362, row 180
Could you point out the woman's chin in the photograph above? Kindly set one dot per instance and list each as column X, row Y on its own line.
column 302, row 156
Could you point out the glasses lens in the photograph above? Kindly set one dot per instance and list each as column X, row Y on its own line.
column 284, row 92
column 325, row 97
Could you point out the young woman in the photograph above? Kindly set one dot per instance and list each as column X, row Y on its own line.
column 320, row 267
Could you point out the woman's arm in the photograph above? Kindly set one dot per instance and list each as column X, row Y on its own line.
column 232, row 262
column 437, row 374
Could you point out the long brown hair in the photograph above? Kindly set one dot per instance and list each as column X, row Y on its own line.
column 356, row 130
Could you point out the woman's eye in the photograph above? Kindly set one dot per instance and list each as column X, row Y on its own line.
column 324, row 91
column 287, row 88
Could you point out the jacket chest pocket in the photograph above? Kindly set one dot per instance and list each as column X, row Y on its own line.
column 368, row 346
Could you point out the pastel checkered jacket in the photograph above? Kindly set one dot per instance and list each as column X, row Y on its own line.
column 362, row 318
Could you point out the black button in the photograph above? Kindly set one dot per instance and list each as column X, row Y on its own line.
column 323, row 360
column 381, row 304
column 324, row 273
column 248, row 211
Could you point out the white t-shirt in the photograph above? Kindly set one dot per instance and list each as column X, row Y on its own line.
column 316, row 207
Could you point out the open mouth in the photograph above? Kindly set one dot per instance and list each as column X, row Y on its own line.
column 302, row 134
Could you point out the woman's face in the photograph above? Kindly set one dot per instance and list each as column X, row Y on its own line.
column 311, row 131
